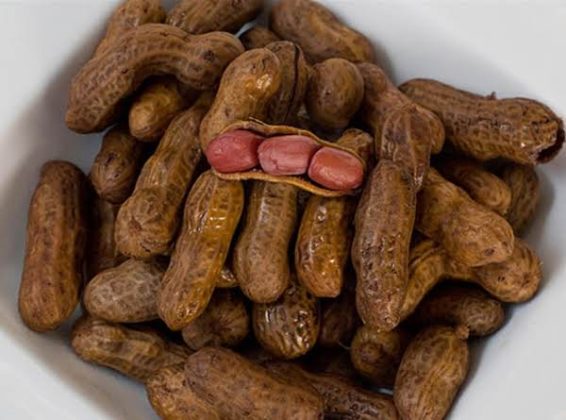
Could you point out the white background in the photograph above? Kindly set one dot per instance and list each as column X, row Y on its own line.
column 516, row 48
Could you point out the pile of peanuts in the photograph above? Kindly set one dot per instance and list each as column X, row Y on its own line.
column 272, row 229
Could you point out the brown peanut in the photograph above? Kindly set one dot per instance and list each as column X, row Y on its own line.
column 338, row 320
column 55, row 240
column 117, row 165
column 458, row 305
column 376, row 355
column 335, row 93
column 148, row 221
column 258, row 37
column 247, row 87
column 319, row 32
column 288, row 327
column 380, row 251
column 432, row 370
column 237, row 388
column 127, row 293
column 517, row 129
column 197, row 61
column 261, row 260
column 342, row 399
column 172, row 398
column 225, row 322
column 202, row 16
column 102, row 252
column 154, row 108
column 137, row 354
column 525, row 194
column 130, row 14
column 481, row 185
column 226, row 279
column 515, row 280
column 470, row 233
column 323, row 242
column 211, row 215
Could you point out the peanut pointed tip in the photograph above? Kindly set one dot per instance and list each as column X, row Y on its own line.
column 550, row 153
column 462, row 332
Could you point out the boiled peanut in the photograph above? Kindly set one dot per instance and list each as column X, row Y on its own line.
column 335, row 93
column 517, row 129
column 261, row 260
column 52, row 274
column 211, row 215
column 154, row 108
column 247, row 87
column 288, row 327
column 226, row 279
column 202, row 16
column 286, row 155
column 481, row 185
column 117, row 165
column 458, row 305
column 336, row 170
column 102, row 252
column 431, row 372
column 285, row 105
column 258, row 37
column 338, row 320
column 225, row 322
column 238, row 388
column 234, row 151
column 127, row 293
column 130, row 14
column 515, row 280
column 135, row 353
column 525, row 194
column 341, row 398
column 323, row 242
column 376, row 355
column 172, row 398
column 152, row 49
column 380, row 251
column 319, row 32
column 148, row 221
column 470, row 233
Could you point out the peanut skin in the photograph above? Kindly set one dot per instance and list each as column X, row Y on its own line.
column 137, row 354
column 335, row 93
column 338, row 320
column 148, row 221
column 470, row 233
column 336, row 170
column 286, row 155
column 481, row 185
column 117, row 165
column 319, row 32
column 247, row 87
column 211, row 215
column 52, row 274
column 197, row 61
column 172, row 398
column 380, row 251
column 341, row 398
column 126, row 293
column 202, row 16
column 376, row 355
column 237, row 388
column 516, row 279
column 323, row 242
column 457, row 305
column 289, row 327
column 102, row 252
column 525, row 194
column 154, row 108
column 225, row 322
column 130, row 14
column 258, row 37
column 517, row 129
column 432, row 370
column 261, row 260
column 234, row 151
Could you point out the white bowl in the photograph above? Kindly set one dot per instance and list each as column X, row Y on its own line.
column 514, row 48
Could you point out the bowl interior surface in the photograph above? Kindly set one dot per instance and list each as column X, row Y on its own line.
column 482, row 46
